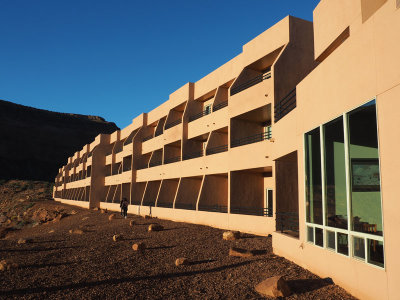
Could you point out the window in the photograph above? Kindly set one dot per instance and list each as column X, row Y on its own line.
column 342, row 179
column 207, row 109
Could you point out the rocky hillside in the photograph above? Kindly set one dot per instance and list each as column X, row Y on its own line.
column 35, row 143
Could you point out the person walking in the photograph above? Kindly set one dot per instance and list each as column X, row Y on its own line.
column 124, row 207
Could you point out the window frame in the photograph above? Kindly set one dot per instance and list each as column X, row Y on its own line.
column 350, row 234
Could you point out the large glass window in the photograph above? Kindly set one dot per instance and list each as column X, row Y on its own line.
column 313, row 177
column 335, row 173
column 364, row 167
column 347, row 189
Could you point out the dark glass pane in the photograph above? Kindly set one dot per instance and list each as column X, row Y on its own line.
column 319, row 237
column 343, row 243
column 364, row 167
column 313, row 177
column 335, row 174
column 310, row 234
column 375, row 252
column 330, row 236
column 358, row 247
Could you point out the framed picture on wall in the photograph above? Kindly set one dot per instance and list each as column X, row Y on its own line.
column 365, row 175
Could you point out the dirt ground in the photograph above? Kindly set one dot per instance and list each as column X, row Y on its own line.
column 56, row 264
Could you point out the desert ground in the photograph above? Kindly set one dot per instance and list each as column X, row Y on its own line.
column 43, row 259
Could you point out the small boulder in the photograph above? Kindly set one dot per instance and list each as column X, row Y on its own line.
column 58, row 218
column 23, row 241
column 155, row 227
column 111, row 217
column 5, row 265
column 181, row 261
column 51, row 231
column 139, row 247
column 103, row 211
column 85, row 218
column 96, row 208
column 146, row 217
column 117, row 237
column 274, row 287
column 131, row 223
column 3, row 219
column 231, row 235
column 76, row 231
column 73, row 212
column 238, row 252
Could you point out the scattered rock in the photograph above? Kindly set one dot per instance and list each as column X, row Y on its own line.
column 23, row 241
column 73, row 212
column 76, row 231
column 111, row 217
column 155, row 227
column 3, row 219
column 8, row 222
column 146, row 217
column 51, row 231
column 58, row 218
column 5, row 265
column 231, row 235
column 103, row 211
column 131, row 223
column 274, row 287
column 240, row 252
column 96, row 208
column 181, row 261
column 139, row 247
column 117, row 237
column 85, row 218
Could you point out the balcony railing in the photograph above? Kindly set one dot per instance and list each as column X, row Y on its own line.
column 108, row 153
column 128, row 142
column 166, row 205
column 172, row 124
column 118, row 151
column 208, row 111
column 155, row 163
column 146, row 138
column 251, row 139
column 193, row 155
column 251, row 82
column 185, row 206
column 172, row 159
column 214, row 208
column 217, row 149
column 287, row 221
column 254, row 211
column 199, row 115
column 159, row 132
column 286, row 105
column 220, row 105
column 127, row 169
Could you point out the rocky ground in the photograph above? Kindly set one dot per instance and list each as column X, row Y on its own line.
column 43, row 259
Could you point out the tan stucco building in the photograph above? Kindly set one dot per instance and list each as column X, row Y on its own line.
column 296, row 137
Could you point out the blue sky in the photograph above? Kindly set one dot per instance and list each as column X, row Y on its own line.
column 117, row 59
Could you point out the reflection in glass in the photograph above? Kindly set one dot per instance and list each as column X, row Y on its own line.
column 310, row 234
column 335, row 172
column 313, row 177
column 358, row 247
column 343, row 244
column 364, row 167
column 319, row 237
column 375, row 252
column 330, row 236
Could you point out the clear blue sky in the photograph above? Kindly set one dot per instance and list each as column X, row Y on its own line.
column 117, row 59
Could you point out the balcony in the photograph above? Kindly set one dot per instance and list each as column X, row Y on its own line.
column 155, row 163
column 285, row 106
column 146, row 138
column 194, row 154
column 172, row 160
column 217, row 149
column 207, row 111
column 172, row 124
column 255, row 80
column 251, row 139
